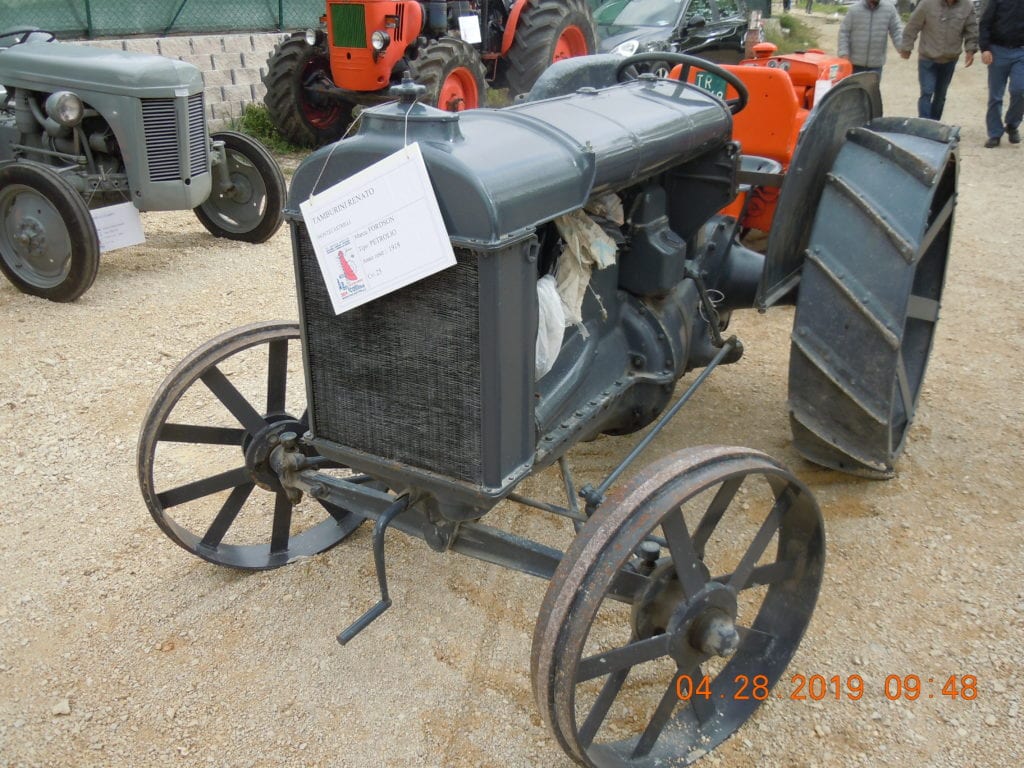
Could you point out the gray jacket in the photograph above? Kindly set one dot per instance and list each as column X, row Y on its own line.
column 863, row 31
column 945, row 29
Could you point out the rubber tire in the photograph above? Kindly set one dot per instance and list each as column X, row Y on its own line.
column 540, row 26
column 84, row 251
column 440, row 61
column 288, row 66
column 273, row 183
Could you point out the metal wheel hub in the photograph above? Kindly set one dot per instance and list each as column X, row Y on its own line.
column 31, row 237
column 257, row 449
column 707, row 623
column 655, row 607
column 704, row 623
column 240, row 190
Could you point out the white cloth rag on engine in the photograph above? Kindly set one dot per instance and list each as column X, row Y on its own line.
column 586, row 246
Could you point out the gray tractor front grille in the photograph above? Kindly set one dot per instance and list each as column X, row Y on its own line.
column 398, row 378
column 161, row 125
column 198, row 149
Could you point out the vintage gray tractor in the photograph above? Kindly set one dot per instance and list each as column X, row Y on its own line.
column 690, row 582
column 82, row 128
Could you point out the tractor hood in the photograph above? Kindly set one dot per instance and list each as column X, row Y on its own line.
column 499, row 173
column 49, row 66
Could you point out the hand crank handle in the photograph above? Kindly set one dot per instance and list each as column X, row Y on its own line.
column 383, row 522
column 363, row 621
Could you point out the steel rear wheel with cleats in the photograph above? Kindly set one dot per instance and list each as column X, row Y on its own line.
column 870, row 293
column 251, row 209
column 48, row 242
column 453, row 74
column 639, row 660
column 204, row 449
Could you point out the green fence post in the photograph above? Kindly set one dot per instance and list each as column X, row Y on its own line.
column 177, row 13
column 88, row 19
column 280, row 15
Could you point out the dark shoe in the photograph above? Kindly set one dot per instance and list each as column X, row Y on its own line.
column 994, row 142
column 1013, row 134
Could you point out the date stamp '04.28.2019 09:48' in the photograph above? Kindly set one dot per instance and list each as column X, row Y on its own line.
column 836, row 687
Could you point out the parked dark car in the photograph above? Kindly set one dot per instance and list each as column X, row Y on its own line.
column 711, row 29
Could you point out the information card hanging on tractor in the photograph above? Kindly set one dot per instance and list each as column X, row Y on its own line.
column 378, row 230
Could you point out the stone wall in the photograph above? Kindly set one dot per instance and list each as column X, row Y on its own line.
column 232, row 66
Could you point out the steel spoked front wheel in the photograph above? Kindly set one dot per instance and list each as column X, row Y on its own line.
column 204, row 453
column 677, row 609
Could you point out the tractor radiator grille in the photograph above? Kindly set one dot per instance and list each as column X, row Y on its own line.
column 159, row 119
column 348, row 25
column 197, row 146
column 161, row 126
column 398, row 378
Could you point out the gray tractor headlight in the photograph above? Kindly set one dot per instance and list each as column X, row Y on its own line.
column 310, row 37
column 380, row 40
column 65, row 108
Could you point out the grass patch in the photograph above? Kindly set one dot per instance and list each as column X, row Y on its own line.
column 497, row 98
column 830, row 8
column 792, row 35
column 255, row 121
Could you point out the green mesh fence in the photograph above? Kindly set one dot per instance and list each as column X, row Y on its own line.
column 114, row 18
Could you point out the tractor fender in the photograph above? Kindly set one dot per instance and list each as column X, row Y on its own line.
column 510, row 25
column 853, row 102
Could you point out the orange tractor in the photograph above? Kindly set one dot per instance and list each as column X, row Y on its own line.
column 316, row 78
column 783, row 90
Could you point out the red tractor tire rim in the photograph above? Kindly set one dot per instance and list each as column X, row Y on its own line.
column 320, row 117
column 459, row 91
column 570, row 43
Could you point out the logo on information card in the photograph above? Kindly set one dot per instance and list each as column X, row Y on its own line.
column 348, row 281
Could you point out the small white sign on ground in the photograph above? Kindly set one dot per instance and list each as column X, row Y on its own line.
column 118, row 226
column 378, row 230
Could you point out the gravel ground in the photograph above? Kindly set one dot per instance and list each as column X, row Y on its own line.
column 118, row 648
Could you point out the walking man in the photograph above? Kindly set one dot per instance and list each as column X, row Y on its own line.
column 946, row 27
column 1001, row 40
column 863, row 31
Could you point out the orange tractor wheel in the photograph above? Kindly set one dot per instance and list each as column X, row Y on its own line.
column 547, row 31
column 572, row 42
column 453, row 74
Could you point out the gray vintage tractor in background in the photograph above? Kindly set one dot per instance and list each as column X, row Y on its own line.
column 82, row 128
column 686, row 585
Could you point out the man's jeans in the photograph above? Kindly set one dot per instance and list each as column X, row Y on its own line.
column 1007, row 64
column 934, row 77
